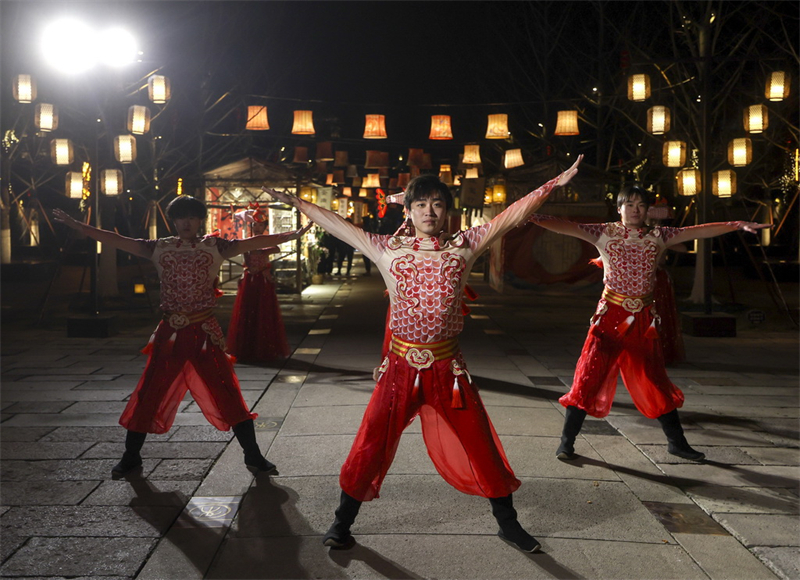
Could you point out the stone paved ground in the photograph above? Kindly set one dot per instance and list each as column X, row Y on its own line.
column 625, row 509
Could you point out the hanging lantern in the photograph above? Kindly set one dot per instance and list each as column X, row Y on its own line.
column 24, row 88
column 363, row 192
column 74, row 185
column 324, row 151
column 303, row 123
column 639, row 87
column 347, row 192
column 498, row 127
column 567, row 123
column 723, row 183
column 403, row 179
column 309, row 194
column 356, row 181
column 673, row 154
column 375, row 127
column 138, row 119
column 658, row 120
column 372, row 180
column 300, row 155
column 374, row 159
column 427, row 161
column 446, row 174
column 756, row 119
column 329, row 179
column 46, row 117
column 158, row 89
column 499, row 193
column 487, row 196
column 352, row 171
column 340, row 159
column 472, row 173
column 472, row 154
column 777, row 87
column 111, row 181
column 335, row 204
column 415, row 158
column 338, row 176
column 440, row 127
column 257, row 119
column 125, row 148
column 740, row 152
column 688, row 182
column 61, row 151
column 513, row 158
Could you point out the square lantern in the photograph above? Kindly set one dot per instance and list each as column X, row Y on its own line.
column 472, row 154
column 777, row 87
column 567, row 123
column 740, row 152
column 403, row 179
column 24, row 89
column 74, row 185
column 46, row 117
column 300, row 155
column 340, row 159
column 324, row 151
column 497, row 127
column 639, row 87
column 375, row 127
column 689, row 182
column 257, row 119
column 372, row 180
column 499, row 193
column 303, row 123
column 446, row 174
column 723, row 183
column 61, row 151
column 138, row 119
column 158, row 89
column 308, row 194
column 673, row 154
column 338, row 176
column 125, row 148
column 472, row 173
column 658, row 120
column 111, row 181
column 347, row 192
column 513, row 158
column 329, row 179
column 440, row 127
column 756, row 119
column 362, row 192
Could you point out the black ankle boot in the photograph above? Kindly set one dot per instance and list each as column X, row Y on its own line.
column 131, row 459
column 338, row 536
column 246, row 435
column 510, row 529
column 677, row 444
column 573, row 421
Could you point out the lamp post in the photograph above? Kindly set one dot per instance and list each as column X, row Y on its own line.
column 71, row 47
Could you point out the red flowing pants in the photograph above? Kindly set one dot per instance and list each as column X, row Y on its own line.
column 461, row 442
column 612, row 347
column 193, row 362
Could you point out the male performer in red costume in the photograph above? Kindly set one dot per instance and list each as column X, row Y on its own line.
column 623, row 336
column 424, row 372
column 187, row 349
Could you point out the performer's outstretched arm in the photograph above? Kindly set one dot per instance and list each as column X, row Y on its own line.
column 587, row 232
column 711, row 230
column 263, row 241
column 113, row 239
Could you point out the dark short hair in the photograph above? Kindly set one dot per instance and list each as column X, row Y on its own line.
column 629, row 192
column 424, row 186
column 185, row 206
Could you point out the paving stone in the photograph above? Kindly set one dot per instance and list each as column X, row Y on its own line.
column 11, row 434
column 10, row 543
column 763, row 529
column 756, row 500
column 184, row 553
column 165, row 450
column 70, row 396
column 724, row 558
column 66, row 557
column 65, row 470
column 735, row 476
column 41, row 450
column 774, row 455
column 785, row 562
column 199, row 433
column 75, row 521
column 63, row 420
column 181, row 469
column 114, row 434
column 45, row 492
column 143, row 492
column 727, row 455
column 38, row 407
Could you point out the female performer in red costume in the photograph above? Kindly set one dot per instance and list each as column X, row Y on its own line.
column 256, row 332
column 623, row 334
column 187, row 349
column 424, row 373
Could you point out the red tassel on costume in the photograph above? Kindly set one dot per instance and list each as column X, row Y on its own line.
column 652, row 331
column 470, row 293
column 465, row 309
column 415, row 389
column 458, row 402
column 625, row 325
column 205, row 345
column 171, row 342
column 148, row 348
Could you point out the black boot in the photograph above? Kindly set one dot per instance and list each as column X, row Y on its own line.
column 573, row 421
column 254, row 460
column 671, row 424
column 510, row 529
column 338, row 536
column 131, row 459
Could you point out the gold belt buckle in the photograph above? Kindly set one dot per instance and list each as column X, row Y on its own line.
column 633, row 305
column 419, row 358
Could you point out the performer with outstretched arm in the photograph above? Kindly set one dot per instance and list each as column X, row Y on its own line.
column 187, row 349
column 623, row 334
column 424, row 372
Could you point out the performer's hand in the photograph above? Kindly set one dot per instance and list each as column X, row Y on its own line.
column 752, row 227
column 304, row 229
column 281, row 196
column 61, row 216
column 569, row 173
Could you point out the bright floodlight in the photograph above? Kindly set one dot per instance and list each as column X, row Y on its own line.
column 72, row 46
column 68, row 45
column 116, row 47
